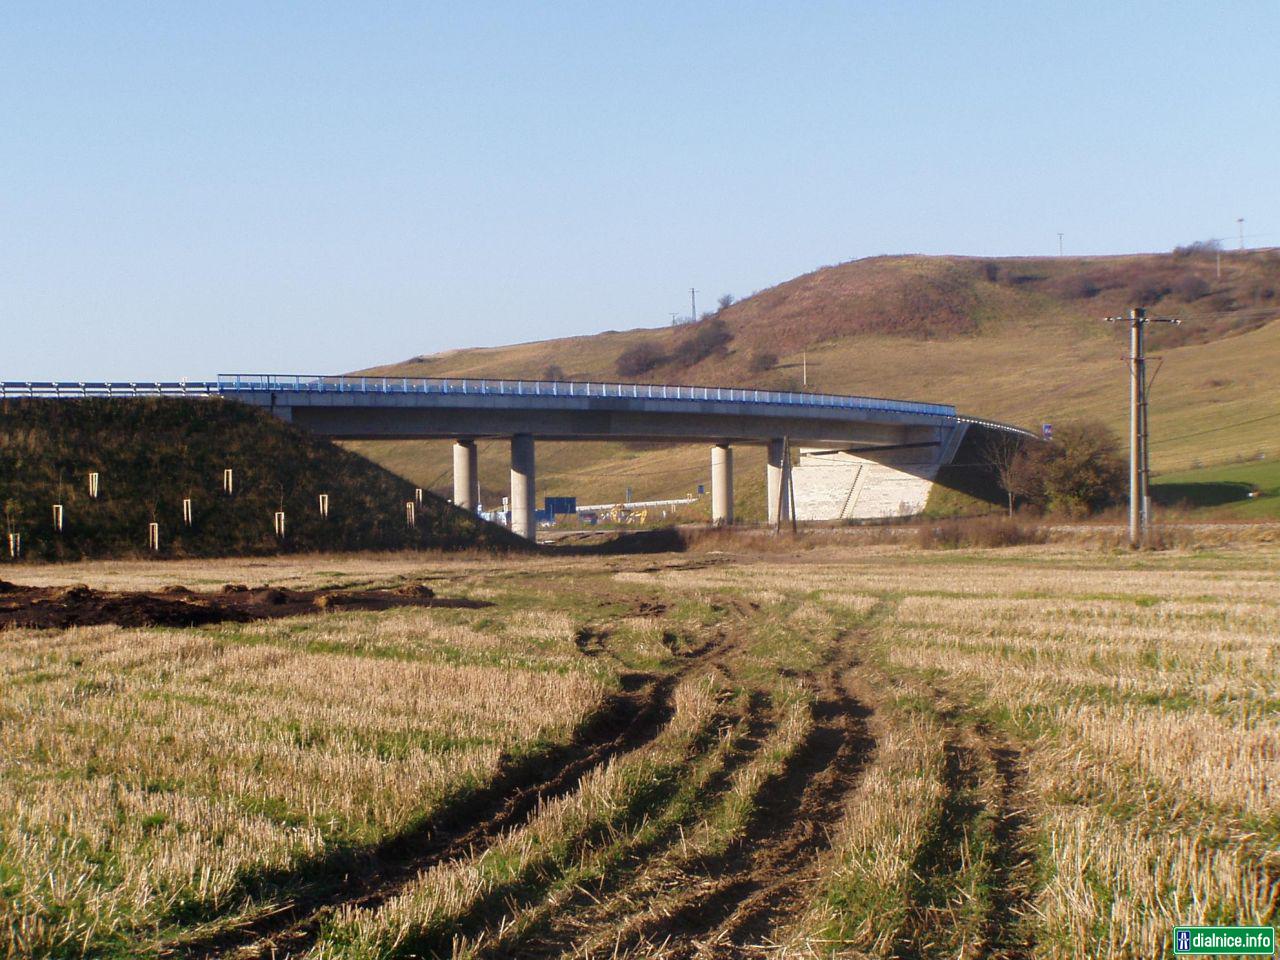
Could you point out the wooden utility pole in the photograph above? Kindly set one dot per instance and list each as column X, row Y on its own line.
column 1139, row 456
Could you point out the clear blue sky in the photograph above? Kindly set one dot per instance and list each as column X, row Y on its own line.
column 187, row 189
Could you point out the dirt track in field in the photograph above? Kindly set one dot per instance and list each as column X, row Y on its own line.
column 656, row 900
column 625, row 722
column 738, row 904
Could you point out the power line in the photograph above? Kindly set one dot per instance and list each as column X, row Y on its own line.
column 1225, row 426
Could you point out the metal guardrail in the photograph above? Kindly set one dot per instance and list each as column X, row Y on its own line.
column 996, row 425
column 568, row 388
column 50, row 389
column 232, row 384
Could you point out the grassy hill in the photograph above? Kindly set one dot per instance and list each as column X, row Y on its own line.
column 150, row 454
column 1014, row 339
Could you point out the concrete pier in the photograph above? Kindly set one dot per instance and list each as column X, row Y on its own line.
column 466, row 475
column 523, row 502
column 778, row 478
column 722, row 484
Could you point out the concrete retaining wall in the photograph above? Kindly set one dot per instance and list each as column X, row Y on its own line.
column 838, row 485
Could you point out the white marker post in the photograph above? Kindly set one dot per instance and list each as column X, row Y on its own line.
column 280, row 524
column 93, row 485
column 188, row 515
column 410, row 515
column 57, row 517
column 153, row 536
column 324, row 505
column 228, row 481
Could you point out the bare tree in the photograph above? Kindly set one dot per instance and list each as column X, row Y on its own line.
column 1003, row 451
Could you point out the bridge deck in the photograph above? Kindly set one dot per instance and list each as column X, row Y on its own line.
column 232, row 384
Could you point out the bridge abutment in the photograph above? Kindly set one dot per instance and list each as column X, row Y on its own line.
column 523, row 504
column 466, row 475
column 722, row 484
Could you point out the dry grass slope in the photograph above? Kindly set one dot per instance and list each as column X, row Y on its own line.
column 1013, row 339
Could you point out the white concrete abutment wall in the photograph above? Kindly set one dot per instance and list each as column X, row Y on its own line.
column 872, row 484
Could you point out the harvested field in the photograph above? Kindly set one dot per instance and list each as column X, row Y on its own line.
column 841, row 751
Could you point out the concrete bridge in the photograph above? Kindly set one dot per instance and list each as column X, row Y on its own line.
column 465, row 410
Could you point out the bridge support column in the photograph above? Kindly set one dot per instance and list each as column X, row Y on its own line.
column 466, row 475
column 523, row 520
column 722, row 484
column 778, row 482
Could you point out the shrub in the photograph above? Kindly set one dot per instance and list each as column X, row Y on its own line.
column 1082, row 469
column 1080, row 472
column 1191, row 287
column 709, row 337
column 1077, row 287
column 726, row 301
column 1198, row 247
column 1148, row 291
column 986, row 532
column 762, row 361
column 553, row 371
column 639, row 360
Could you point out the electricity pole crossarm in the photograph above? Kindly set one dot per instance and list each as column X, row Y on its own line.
column 1139, row 459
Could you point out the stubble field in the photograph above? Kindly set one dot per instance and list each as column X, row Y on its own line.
column 835, row 751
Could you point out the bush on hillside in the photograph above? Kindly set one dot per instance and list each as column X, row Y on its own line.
column 1191, row 287
column 707, row 338
column 1079, row 473
column 763, row 361
column 638, row 360
column 1198, row 248
column 1077, row 287
column 1148, row 291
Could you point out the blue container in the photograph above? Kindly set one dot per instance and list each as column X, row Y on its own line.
column 559, row 506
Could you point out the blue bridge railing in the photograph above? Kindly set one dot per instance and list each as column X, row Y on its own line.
column 232, row 384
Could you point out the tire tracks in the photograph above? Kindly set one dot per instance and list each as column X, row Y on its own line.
column 982, row 832
column 625, row 722
column 571, row 919
column 1006, row 935
column 759, row 881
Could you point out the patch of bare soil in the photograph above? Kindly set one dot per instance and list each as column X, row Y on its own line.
column 81, row 606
